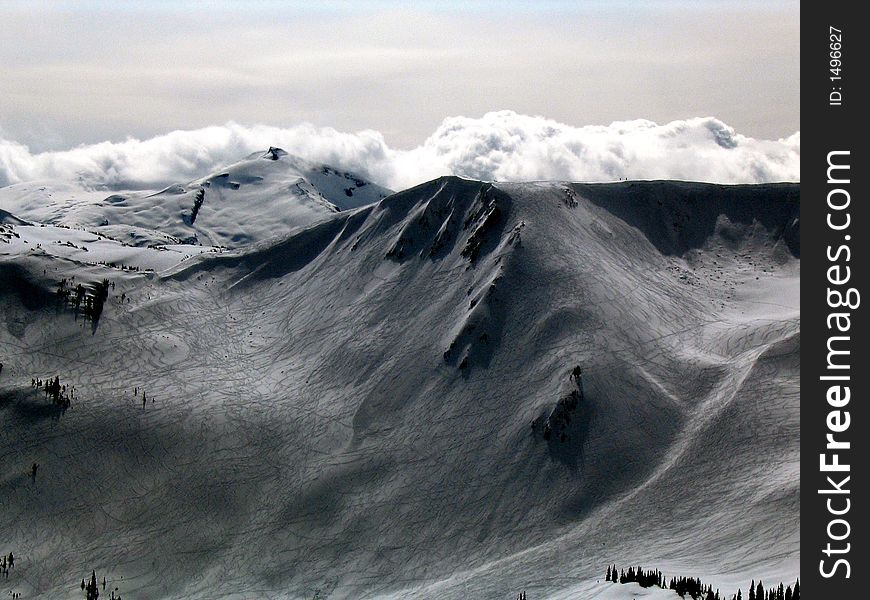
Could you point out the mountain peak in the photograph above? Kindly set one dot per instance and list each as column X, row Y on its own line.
column 263, row 194
column 274, row 153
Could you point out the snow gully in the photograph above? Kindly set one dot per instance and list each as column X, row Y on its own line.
column 841, row 300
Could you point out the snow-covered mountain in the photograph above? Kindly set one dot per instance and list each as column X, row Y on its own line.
column 264, row 195
column 464, row 390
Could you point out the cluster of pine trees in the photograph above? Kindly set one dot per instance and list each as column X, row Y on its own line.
column 61, row 394
column 7, row 563
column 695, row 588
column 90, row 302
column 91, row 588
column 121, row 266
column 644, row 578
column 778, row 593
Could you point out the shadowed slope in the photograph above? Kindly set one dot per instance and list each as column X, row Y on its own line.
column 350, row 409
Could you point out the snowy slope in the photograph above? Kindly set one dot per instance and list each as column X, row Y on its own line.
column 266, row 194
column 348, row 411
column 83, row 247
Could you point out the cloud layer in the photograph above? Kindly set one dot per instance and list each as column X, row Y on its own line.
column 503, row 146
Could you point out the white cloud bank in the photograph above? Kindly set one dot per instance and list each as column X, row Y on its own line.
column 503, row 146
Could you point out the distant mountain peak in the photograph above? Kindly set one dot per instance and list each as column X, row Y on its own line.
column 263, row 194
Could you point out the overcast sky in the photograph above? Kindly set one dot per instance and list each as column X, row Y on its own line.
column 85, row 72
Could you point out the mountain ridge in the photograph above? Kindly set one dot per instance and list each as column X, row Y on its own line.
column 247, row 201
column 349, row 408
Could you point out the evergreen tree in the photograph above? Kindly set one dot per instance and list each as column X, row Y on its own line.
column 797, row 590
column 752, row 590
column 607, row 577
column 92, row 590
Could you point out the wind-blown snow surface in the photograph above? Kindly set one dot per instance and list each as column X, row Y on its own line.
column 348, row 410
column 251, row 200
